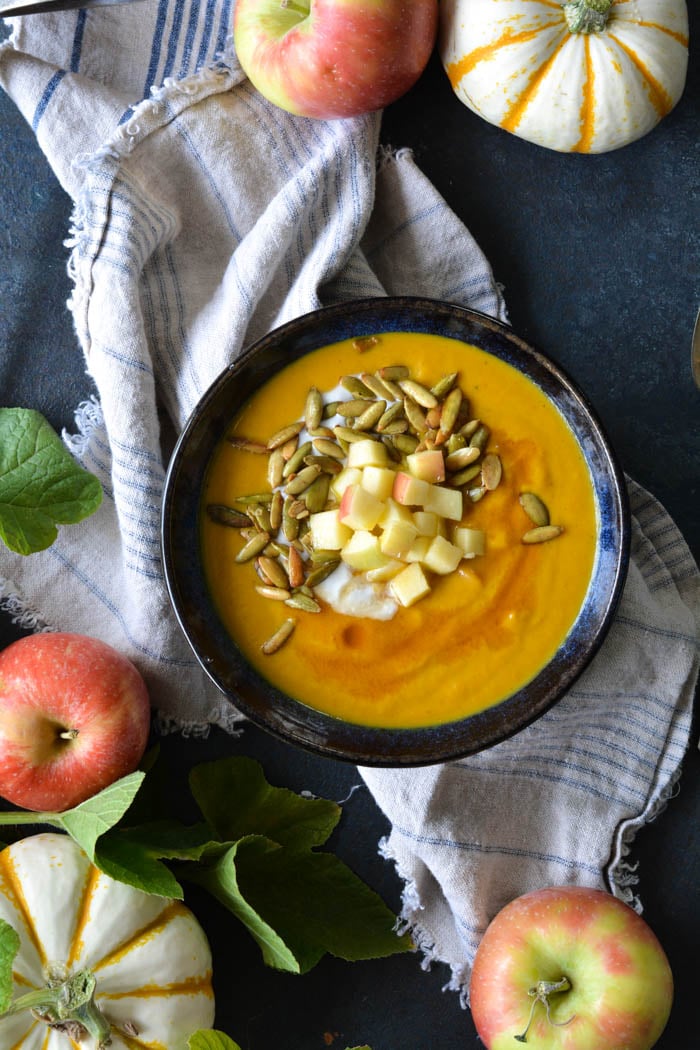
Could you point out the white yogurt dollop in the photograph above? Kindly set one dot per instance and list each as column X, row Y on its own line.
column 353, row 595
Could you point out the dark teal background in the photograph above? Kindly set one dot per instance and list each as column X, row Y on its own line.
column 598, row 257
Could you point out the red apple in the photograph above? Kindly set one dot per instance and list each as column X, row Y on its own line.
column 74, row 717
column 570, row 968
column 334, row 58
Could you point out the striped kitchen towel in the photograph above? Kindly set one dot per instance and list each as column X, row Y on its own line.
column 203, row 217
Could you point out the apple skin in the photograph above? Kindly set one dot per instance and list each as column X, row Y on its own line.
column 621, row 982
column 56, row 683
column 334, row 58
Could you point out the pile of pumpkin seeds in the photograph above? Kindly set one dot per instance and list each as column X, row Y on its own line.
column 387, row 406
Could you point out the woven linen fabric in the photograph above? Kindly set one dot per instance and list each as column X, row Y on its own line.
column 203, row 217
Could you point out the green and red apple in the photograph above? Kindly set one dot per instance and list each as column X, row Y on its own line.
column 334, row 58
column 570, row 968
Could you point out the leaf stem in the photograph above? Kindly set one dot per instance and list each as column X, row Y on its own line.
column 19, row 817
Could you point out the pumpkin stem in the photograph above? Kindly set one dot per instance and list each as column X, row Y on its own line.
column 67, row 1005
column 587, row 16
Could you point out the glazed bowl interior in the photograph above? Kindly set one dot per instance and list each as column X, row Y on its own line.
column 218, row 653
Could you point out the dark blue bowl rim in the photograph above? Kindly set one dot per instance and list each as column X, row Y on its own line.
column 218, row 655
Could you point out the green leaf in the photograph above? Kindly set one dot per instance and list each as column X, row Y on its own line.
column 41, row 484
column 92, row 818
column 316, row 904
column 135, row 855
column 210, row 1039
column 221, row 879
column 132, row 863
column 236, row 800
column 9, row 946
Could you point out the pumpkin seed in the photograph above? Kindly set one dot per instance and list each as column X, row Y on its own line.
column 463, row 477
column 317, row 493
column 351, row 409
column 469, row 428
column 289, row 448
column 405, row 443
column 321, row 432
column 313, row 409
column 535, row 508
column 450, row 410
column 247, row 445
column 415, row 415
column 393, row 390
column 276, row 511
column 290, row 525
column 542, row 533
column 491, row 471
column 260, row 514
column 370, row 416
column 392, row 451
column 223, row 515
column 462, row 457
column 275, row 468
column 399, row 426
column 375, row 384
column 455, row 441
column 253, row 547
column 284, row 435
column 327, row 464
column 277, row 640
column 252, row 498
column 302, row 480
column 365, row 342
column 326, row 447
column 297, row 509
column 357, row 388
column 444, row 385
column 330, row 409
column 390, row 415
column 433, row 417
column 477, row 493
column 322, row 571
column 319, row 555
column 295, row 567
column 347, row 434
column 273, row 569
column 294, row 462
column 418, row 393
column 277, row 594
column 393, row 372
column 303, row 602
column 480, row 437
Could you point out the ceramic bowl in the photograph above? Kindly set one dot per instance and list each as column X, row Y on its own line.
column 217, row 652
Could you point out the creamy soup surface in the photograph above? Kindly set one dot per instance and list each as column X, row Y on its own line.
column 484, row 630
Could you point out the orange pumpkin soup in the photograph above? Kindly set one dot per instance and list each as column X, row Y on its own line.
column 480, row 631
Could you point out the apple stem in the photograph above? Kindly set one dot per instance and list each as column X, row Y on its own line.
column 68, row 1005
column 540, row 994
column 68, row 734
column 298, row 8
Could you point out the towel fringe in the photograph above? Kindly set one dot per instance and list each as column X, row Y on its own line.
column 20, row 614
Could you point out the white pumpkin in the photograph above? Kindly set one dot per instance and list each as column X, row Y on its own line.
column 585, row 76
column 149, row 956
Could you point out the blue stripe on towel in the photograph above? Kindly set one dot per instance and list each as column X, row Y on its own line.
column 78, row 40
column 46, row 97
column 203, row 54
column 156, row 47
column 173, row 40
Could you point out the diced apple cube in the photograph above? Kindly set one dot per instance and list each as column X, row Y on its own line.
column 379, row 481
column 347, row 476
column 362, row 552
column 427, row 522
column 393, row 511
column 410, row 491
column 385, row 572
column 327, row 532
column 396, row 539
column 418, row 549
column 471, row 541
column 410, row 585
column 359, row 509
column 445, row 502
column 367, row 453
column 442, row 556
column 428, row 465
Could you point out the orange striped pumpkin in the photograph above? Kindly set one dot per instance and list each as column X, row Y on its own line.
column 149, row 956
column 585, row 76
